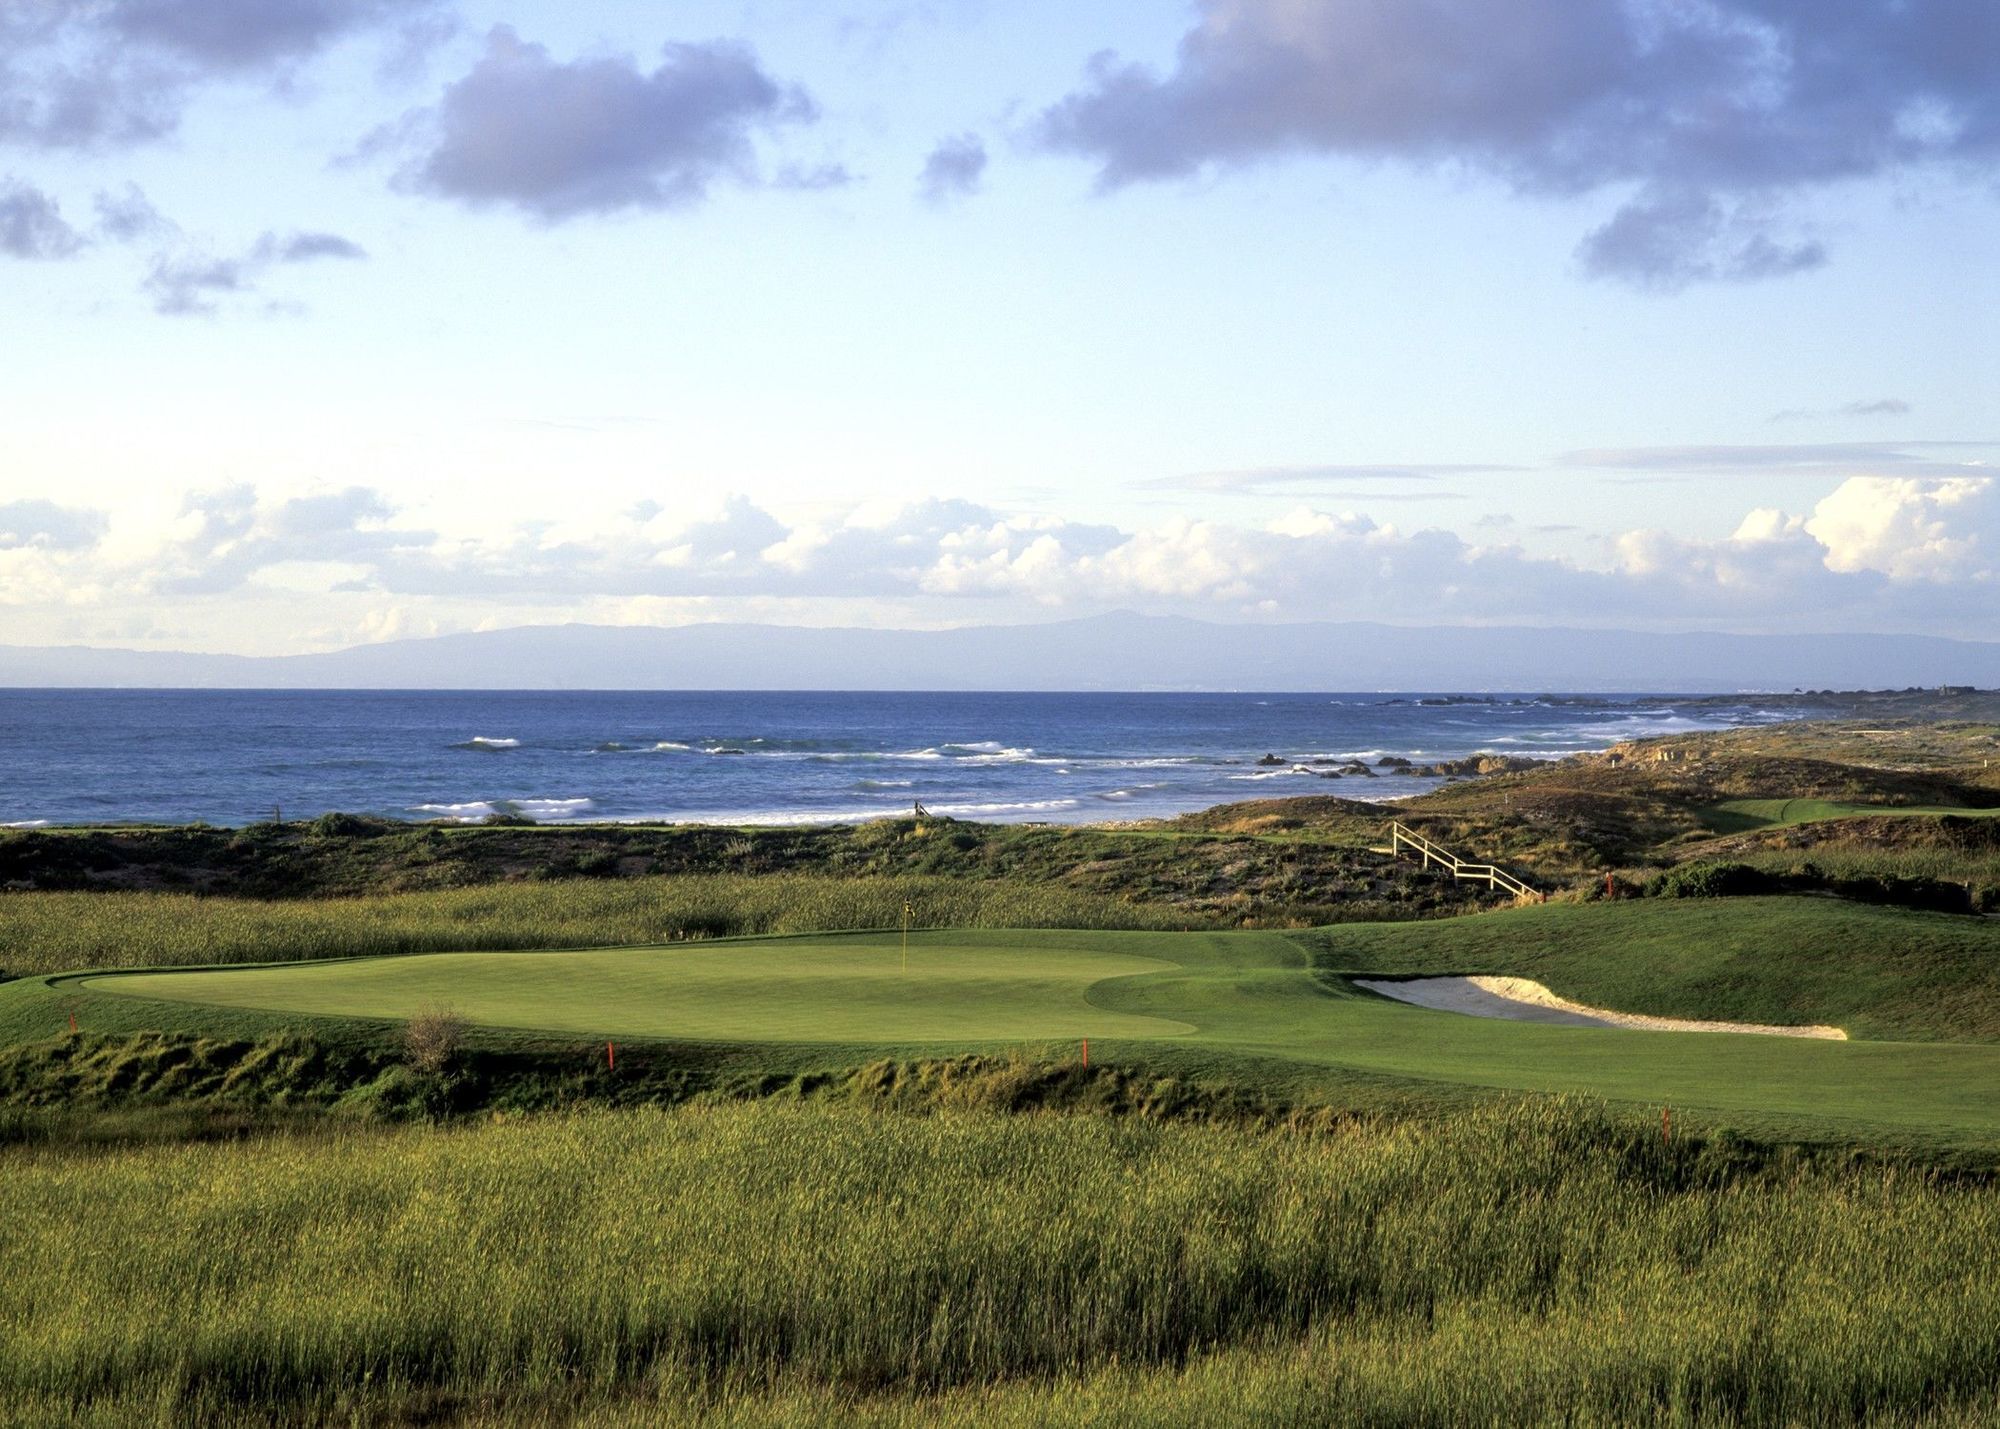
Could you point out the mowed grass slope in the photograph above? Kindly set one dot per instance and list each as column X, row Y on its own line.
column 959, row 989
column 1245, row 1008
column 1878, row 973
column 1735, row 816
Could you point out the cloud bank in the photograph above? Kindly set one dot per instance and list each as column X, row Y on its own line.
column 1877, row 552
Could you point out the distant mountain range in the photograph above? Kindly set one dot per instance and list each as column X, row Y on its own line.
column 1110, row 652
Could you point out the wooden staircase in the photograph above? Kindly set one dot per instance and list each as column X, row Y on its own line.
column 1406, row 842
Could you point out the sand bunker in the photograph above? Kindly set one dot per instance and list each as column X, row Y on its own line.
column 1520, row 999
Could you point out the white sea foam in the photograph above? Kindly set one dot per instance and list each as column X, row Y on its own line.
column 487, row 741
column 767, row 818
column 459, row 813
column 26, row 824
column 472, row 811
column 550, row 808
column 1025, row 806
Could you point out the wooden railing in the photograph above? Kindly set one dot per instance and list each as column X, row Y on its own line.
column 1404, row 842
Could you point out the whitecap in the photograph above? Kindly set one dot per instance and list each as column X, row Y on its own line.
column 549, row 808
column 484, row 741
column 458, row 813
column 1025, row 806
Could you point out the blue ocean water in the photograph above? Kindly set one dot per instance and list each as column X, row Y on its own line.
column 231, row 757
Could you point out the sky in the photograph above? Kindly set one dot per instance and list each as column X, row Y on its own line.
column 334, row 321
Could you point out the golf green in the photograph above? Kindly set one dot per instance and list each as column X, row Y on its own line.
column 1232, row 1006
column 783, row 990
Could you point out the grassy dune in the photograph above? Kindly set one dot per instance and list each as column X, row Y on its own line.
column 786, row 1264
column 55, row 932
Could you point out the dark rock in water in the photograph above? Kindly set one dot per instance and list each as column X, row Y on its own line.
column 1272, row 761
column 1392, row 761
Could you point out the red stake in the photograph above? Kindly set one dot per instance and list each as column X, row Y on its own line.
column 1666, row 1124
column 72, row 1024
column 610, row 1056
column 1609, row 890
column 1086, row 1051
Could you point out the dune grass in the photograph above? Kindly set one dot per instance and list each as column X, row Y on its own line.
column 44, row 932
column 776, row 1263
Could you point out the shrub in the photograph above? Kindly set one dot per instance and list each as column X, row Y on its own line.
column 1710, row 880
column 349, row 826
column 432, row 1038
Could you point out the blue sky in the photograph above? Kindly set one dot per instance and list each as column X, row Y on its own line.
column 335, row 320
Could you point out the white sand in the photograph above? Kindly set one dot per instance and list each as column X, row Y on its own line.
column 1520, row 999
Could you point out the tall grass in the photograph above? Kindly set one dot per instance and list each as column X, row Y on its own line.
column 55, row 932
column 783, row 1261
column 1975, row 867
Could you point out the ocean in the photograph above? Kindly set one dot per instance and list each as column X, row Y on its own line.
column 236, row 757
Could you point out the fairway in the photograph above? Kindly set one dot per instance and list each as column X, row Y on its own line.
column 849, row 989
column 1736, row 816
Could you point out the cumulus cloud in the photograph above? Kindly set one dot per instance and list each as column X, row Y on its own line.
column 954, row 169
column 117, row 72
column 558, row 139
column 223, row 538
column 46, row 526
column 128, row 215
column 184, row 284
column 193, row 282
column 1912, row 529
column 1875, row 552
column 248, row 34
column 1666, row 240
column 306, row 247
column 1704, row 118
column 32, row 225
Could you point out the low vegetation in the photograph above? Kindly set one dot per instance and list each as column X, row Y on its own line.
column 1240, row 879
column 56, row 932
column 778, row 1263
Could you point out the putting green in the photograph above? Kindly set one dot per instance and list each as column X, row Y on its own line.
column 786, row 990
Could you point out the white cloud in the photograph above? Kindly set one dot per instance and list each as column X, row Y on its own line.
column 1912, row 529
column 1875, row 553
